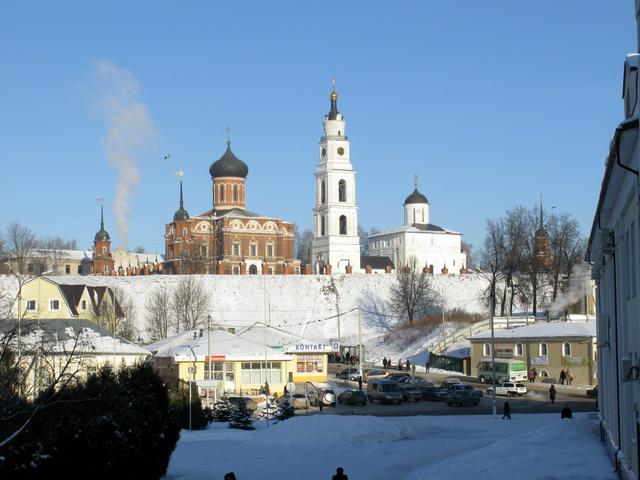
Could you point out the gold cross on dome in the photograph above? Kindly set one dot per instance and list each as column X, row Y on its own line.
column 228, row 130
column 415, row 180
column 100, row 200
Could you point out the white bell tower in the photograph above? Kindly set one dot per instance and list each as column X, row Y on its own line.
column 335, row 240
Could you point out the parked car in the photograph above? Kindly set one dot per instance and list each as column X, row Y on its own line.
column 236, row 400
column 320, row 392
column 418, row 382
column 352, row 397
column 509, row 389
column 385, row 391
column 394, row 377
column 344, row 374
column 434, row 394
column 450, row 381
column 299, row 400
column 373, row 374
column 460, row 387
column 462, row 398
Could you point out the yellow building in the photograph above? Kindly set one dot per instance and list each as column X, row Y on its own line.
column 550, row 347
column 230, row 363
column 46, row 298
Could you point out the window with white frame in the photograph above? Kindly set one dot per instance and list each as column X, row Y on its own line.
column 235, row 249
column 31, row 306
column 566, row 349
column 54, row 304
column 83, row 305
column 236, row 270
column 257, row 373
column 486, row 349
column 517, row 350
column 222, row 371
column 269, row 251
column 253, row 249
column 543, row 349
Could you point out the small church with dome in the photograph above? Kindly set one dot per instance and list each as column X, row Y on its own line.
column 228, row 238
column 420, row 244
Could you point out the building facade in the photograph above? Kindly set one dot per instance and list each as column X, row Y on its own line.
column 336, row 243
column 419, row 244
column 228, row 238
column 614, row 252
column 550, row 347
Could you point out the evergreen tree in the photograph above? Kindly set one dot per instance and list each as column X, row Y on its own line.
column 241, row 418
column 222, row 410
column 286, row 411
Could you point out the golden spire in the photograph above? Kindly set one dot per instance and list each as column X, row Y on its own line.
column 334, row 95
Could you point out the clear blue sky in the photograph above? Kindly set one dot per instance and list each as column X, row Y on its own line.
column 491, row 103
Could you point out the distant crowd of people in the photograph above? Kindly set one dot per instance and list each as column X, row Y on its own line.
column 348, row 358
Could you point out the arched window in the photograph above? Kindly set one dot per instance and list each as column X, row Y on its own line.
column 343, row 225
column 566, row 349
column 253, row 270
column 235, row 193
column 322, row 194
column 486, row 350
column 517, row 350
column 342, row 191
column 543, row 350
column 322, row 225
column 222, row 193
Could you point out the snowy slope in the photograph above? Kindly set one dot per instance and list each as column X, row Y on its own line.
column 298, row 303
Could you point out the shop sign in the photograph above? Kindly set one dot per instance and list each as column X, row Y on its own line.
column 504, row 352
column 309, row 347
column 575, row 361
column 214, row 358
column 539, row 361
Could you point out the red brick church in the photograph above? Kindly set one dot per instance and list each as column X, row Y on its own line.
column 228, row 238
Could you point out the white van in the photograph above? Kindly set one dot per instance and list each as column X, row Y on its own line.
column 385, row 391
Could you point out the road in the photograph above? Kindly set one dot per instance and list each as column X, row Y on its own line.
column 536, row 401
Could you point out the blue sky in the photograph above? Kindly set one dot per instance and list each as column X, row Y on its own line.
column 491, row 103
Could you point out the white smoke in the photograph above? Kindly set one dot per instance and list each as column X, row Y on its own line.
column 579, row 284
column 129, row 132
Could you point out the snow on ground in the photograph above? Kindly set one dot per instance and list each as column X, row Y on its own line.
column 540, row 446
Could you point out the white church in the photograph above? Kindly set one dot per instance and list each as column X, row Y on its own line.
column 336, row 244
column 420, row 244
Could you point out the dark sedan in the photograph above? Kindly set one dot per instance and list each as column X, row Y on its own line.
column 352, row 397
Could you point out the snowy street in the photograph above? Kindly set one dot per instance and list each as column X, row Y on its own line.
column 529, row 447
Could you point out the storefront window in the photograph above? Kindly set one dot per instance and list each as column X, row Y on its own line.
column 309, row 363
column 221, row 371
column 257, row 373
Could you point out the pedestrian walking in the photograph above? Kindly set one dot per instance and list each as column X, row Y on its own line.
column 566, row 412
column 230, row 476
column 267, row 390
column 426, row 366
column 569, row 374
column 400, row 364
column 408, row 365
column 320, row 404
column 535, row 374
column 359, row 382
column 413, row 369
column 563, row 376
column 340, row 474
column 506, row 411
column 384, row 362
column 530, row 375
column 552, row 394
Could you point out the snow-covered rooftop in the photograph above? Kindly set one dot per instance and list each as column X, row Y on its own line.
column 561, row 329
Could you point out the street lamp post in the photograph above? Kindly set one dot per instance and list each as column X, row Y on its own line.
column 493, row 351
column 193, row 373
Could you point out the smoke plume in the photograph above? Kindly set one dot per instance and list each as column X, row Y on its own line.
column 578, row 284
column 129, row 132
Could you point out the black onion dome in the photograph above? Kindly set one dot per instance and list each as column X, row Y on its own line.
column 416, row 197
column 102, row 235
column 228, row 165
column 181, row 214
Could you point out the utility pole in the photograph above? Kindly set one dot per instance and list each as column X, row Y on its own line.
column 444, row 328
column 359, row 343
column 493, row 352
column 211, row 375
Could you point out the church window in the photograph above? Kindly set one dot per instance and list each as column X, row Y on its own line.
column 67, row 269
column 235, row 193
column 222, row 193
column 342, row 191
column 236, row 270
column 322, row 194
column 322, row 225
column 253, row 270
column 105, row 269
column 343, row 225
column 269, row 251
column 203, row 250
column 253, row 250
column 104, row 250
column 235, row 249
column 185, row 232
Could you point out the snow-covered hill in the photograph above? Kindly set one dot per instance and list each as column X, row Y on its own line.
column 300, row 303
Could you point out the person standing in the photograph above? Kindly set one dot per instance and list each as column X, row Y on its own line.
column 552, row 394
column 400, row 364
column 230, row 476
column 426, row 366
column 384, row 362
column 408, row 365
column 340, row 475
column 535, row 374
column 320, row 404
column 413, row 369
column 566, row 412
column 563, row 376
column 569, row 374
column 530, row 375
column 359, row 382
column 506, row 411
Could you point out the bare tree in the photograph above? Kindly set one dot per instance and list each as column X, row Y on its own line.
column 127, row 326
column 193, row 258
column 304, row 241
column 108, row 313
column 412, row 295
column 567, row 249
column 468, row 249
column 139, row 249
column 190, row 303
column 492, row 260
column 158, row 307
column 21, row 242
column 365, row 244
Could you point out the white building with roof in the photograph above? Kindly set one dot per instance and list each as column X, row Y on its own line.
column 418, row 243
